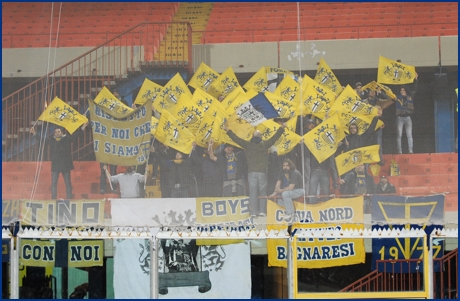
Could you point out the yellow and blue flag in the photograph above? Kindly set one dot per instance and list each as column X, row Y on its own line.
column 257, row 110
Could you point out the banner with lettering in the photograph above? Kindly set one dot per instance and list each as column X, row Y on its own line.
column 6, row 250
column 37, row 253
column 123, row 141
column 62, row 213
column 85, row 253
column 10, row 211
column 339, row 213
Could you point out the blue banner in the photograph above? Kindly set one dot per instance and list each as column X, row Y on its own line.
column 400, row 212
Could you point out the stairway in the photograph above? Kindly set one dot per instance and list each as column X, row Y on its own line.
column 176, row 41
column 425, row 174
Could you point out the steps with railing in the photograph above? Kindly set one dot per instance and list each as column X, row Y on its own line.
column 445, row 283
column 109, row 64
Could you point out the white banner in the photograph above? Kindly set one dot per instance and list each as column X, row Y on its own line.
column 131, row 276
column 153, row 212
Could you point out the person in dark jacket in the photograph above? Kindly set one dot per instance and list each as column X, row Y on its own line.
column 233, row 169
column 384, row 186
column 355, row 140
column 358, row 182
column 61, row 158
column 210, row 177
column 257, row 156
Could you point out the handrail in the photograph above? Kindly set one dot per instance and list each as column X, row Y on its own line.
column 142, row 47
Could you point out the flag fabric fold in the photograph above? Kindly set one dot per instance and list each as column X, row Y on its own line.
column 349, row 102
column 112, row 105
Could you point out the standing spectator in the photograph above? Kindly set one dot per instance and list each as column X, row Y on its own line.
column 354, row 140
column 233, row 170
column 375, row 96
column 128, row 182
column 257, row 156
column 306, row 155
column 289, row 186
column 361, row 93
column 61, row 159
column 103, row 178
column 319, row 177
column 358, row 182
column 378, row 136
column 163, row 155
column 211, row 176
column 404, row 111
column 384, row 186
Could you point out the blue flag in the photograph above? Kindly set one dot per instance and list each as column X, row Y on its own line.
column 257, row 110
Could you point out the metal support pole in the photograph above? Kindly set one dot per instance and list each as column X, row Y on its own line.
column 429, row 265
column 14, row 267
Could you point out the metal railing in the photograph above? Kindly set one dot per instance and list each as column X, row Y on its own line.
column 146, row 45
column 445, row 282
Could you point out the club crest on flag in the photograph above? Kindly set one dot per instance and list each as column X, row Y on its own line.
column 349, row 160
column 325, row 136
column 393, row 72
column 113, row 105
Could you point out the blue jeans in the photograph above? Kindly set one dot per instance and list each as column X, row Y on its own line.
column 287, row 199
column 407, row 123
column 257, row 187
column 54, row 181
column 319, row 177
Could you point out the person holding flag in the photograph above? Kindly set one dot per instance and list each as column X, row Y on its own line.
column 257, row 156
column 61, row 158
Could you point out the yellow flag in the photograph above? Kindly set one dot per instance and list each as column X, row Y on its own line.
column 349, row 102
column 325, row 76
column 375, row 169
column 174, row 134
column 153, row 125
column 349, row 160
column 285, row 143
column 317, row 100
column 289, row 91
column 112, row 105
column 362, row 121
column 228, row 100
column 171, row 93
column 224, row 84
column 203, row 77
column 324, row 139
column 394, row 169
column 208, row 129
column 374, row 86
column 187, row 113
column 284, row 108
column 266, row 79
column 291, row 124
column 394, row 73
column 60, row 113
column 258, row 81
column 149, row 90
column 240, row 127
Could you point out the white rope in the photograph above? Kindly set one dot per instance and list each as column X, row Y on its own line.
column 44, row 129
